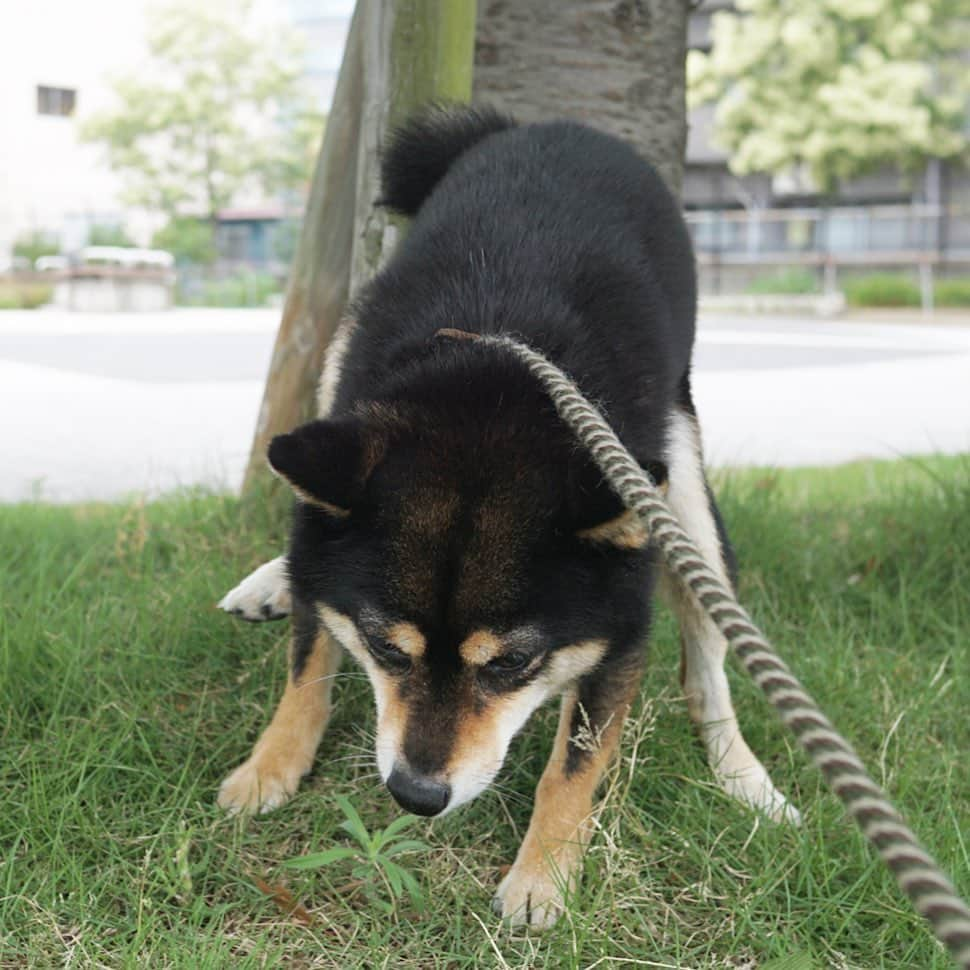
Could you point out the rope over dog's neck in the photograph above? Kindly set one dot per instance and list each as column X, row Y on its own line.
column 917, row 874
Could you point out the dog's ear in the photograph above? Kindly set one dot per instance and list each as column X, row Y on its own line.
column 326, row 462
column 598, row 515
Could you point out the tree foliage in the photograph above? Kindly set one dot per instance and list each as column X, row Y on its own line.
column 835, row 88
column 109, row 235
column 217, row 108
column 188, row 239
column 32, row 245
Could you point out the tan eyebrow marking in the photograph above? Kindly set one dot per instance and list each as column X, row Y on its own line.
column 626, row 531
column 407, row 638
column 480, row 647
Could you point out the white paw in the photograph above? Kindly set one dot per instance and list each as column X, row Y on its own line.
column 754, row 788
column 262, row 595
column 532, row 895
column 256, row 787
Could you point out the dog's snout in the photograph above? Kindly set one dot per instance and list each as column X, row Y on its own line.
column 422, row 796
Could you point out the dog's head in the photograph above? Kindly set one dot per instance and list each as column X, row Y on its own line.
column 454, row 539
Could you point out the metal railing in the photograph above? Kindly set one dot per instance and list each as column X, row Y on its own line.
column 733, row 245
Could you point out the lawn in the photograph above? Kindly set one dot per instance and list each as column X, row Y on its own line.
column 125, row 697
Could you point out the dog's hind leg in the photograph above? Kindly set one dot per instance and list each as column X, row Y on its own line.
column 285, row 751
column 263, row 595
column 703, row 677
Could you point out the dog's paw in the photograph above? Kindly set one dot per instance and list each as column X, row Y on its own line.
column 532, row 894
column 755, row 789
column 258, row 786
column 262, row 595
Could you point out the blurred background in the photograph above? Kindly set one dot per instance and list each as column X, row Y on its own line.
column 155, row 161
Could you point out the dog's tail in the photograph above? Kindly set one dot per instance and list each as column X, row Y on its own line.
column 421, row 150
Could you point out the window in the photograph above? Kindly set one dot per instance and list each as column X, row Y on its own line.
column 55, row 101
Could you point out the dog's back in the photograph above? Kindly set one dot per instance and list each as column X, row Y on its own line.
column 553, row 231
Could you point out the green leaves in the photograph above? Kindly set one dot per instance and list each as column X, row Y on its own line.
column 832, row 89
column 217, row 108
column 378, row 875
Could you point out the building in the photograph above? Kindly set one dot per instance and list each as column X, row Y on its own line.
column 887, row 220
column 56, row 64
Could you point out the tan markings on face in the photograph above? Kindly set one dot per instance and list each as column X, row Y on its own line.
column 407, row 638
column 626, row 531
column 571, row 662
column 391, row 714
column 481, row 647
column 483, row 735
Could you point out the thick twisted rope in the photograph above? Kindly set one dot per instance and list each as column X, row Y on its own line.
column 918, row 875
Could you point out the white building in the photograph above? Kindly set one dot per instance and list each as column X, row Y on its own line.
column 57, row 59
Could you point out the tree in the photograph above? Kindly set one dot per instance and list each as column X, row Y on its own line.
column 216, row 108
column 618, row 65
column 109, row 235
column 835, row 88
column 188, row 240
column 32, row 245
column 399, row 55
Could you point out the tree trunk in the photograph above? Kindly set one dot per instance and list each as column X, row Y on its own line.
column 399, row 54
column 618, row 65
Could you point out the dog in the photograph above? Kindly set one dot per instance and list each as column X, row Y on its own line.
column 448, row 531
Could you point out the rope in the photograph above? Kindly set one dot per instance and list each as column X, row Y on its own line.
column 918, row 875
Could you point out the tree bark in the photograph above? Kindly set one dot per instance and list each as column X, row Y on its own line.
column 618, row 65
column 615, row 64
column 399, row 54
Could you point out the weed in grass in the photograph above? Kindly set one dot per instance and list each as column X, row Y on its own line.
column 376, row 870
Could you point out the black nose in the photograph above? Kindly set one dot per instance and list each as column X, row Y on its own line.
column 419, row 795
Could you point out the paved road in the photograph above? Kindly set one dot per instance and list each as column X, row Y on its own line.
column 99, row 405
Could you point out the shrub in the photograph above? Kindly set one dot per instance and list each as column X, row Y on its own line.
column 882, row 290
column 954, row 292
column 24, row 296
column 794, row 280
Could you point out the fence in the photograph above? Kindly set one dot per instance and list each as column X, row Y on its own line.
column 735, row 247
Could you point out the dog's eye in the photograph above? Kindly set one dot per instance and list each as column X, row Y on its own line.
column 511, row 662
column 388, row 654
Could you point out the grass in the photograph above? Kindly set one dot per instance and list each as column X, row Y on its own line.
column 125, row 698
column 24, row 296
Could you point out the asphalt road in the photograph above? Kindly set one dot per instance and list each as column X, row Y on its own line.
column 101, row 405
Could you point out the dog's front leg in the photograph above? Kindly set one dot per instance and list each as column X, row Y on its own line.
column 590, row 724
column 285, row 751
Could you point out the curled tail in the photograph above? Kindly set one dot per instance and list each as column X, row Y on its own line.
column 420, row 151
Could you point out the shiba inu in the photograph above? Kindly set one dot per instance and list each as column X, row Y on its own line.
column 448, row 531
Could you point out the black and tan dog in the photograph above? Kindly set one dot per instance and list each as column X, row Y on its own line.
column 450, row 535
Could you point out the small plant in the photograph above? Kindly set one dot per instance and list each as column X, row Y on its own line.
column 882, row 290
column 374, row 856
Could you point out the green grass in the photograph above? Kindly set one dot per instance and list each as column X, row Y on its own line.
column 794, row 280
column 125, row 697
